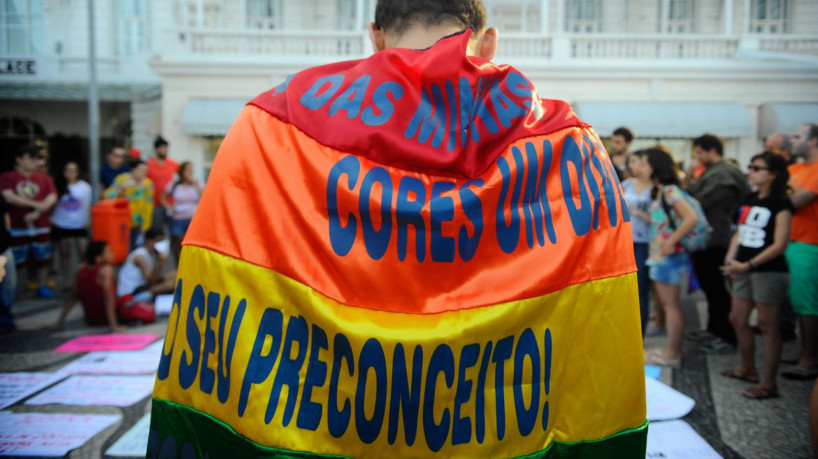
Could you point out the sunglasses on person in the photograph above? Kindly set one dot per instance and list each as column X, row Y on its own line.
column 754, row 168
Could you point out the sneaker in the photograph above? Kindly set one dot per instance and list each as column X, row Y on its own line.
column 716, row 345
column 45, row 293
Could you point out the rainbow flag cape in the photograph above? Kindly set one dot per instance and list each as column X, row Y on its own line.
column 409, row 255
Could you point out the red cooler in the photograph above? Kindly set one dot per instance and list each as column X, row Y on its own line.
column 111, row 222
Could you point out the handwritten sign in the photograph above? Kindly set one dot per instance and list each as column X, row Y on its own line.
column 17, row 386
column 97, row 390
column 37, row 434
column 114, row 363
column 134, row 442
column 665, row 402
column 113, row 342
column 677, row 440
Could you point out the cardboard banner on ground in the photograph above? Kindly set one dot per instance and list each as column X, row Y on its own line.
column 50, row 435
column 111, row 342
column 665, row 402
column 134, row 442
column 97, row 390
column 114, row 363
column 19, row 385
column 677, row 440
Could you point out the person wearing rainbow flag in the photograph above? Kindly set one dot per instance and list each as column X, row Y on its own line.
column 408, row 255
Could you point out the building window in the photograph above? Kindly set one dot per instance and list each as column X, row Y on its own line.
column 680, row 16
column 583, row 16
column 132, row 34
column 346, row 15
column 769, row 16
column 514, row 17
column 21, row 27
column 264, row 14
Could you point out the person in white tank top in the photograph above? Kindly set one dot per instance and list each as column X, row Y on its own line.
column 141, row 277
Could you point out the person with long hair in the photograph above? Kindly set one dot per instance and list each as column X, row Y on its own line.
column 638, row 197
column 667, row 260
column 70, row 218
column 180, row 199
column 755, row 262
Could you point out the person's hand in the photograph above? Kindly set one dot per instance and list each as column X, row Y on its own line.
column 733, row 267
column 668, row 249
column 31, row 217
column 55, row 326
column 3, row 261
column 119, row 329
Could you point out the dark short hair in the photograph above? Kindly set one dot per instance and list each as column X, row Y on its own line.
column 159, row 142
column 775, row 165
column 27, row 150
column 398, row 15
column 709, row 142
column 812, row 129
column 136, row 163
column 153, row 233
column 94, row 249
column 624, row 132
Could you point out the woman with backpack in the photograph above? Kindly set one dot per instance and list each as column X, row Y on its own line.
column 672, row 217
column 180, row 199
column 755, row 262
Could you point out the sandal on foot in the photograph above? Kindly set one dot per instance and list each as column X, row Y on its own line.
column 742, row 374
column 658, row 359
column 760, row 393
column 800, row 373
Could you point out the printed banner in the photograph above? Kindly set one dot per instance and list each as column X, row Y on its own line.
column 407, row 255
column 51, row 435
column 17, row 386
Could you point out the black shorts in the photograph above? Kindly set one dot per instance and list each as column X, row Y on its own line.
column 62, row 233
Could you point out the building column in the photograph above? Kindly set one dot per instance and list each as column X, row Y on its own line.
column 559, row 25
column 199, row 13
column 745, row 23
column 544, row 16
column 728, row 17
column 359, row 15
column 664, row 14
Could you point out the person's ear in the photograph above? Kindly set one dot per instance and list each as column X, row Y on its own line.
column 377, row 37
column 487, row 44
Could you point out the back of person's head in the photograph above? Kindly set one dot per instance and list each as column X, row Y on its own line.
column 664, row 169
column 94, row 250
column 776, row 165
column 159, row 142
column 812, row 130
column 136, row 163
column 624, row 132
column 154, row 233
column 396, row 16
column 709, row 142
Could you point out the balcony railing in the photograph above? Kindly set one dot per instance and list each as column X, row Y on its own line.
column 548, row 50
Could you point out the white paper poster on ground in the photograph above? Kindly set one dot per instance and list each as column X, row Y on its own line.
column 154, row 348
column 17, row 386
column 114, row 363
column 97, row 390
column 677, row 440
column 53, row 434
column 163, row 304
column 134, row 442
column 665, row 402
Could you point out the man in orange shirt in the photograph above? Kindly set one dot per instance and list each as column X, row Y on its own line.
column 802, row 252
column 161, row 170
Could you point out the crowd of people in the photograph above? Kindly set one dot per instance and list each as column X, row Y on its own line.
column 748, row 241
column 40, row 213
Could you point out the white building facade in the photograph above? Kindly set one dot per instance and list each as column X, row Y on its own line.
column 668, row 69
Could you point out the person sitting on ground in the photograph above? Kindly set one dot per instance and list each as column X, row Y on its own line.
column 94, row 287
column 140, row 277
column 755, row 263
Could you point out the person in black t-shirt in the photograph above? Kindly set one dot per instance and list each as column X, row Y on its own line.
column 755, row 263
column 8, row 271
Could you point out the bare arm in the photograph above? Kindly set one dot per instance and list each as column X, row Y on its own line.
column 689, row 219
column 106, row 281
column 49, row 201
column 801, row 198
column 151, row 277
column 733, row 249
column 20, row 201
column 67, row 306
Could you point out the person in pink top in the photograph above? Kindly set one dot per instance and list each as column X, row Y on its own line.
column 161, row 171
column 180, row 199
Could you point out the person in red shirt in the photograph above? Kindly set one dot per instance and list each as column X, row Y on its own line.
column 30, row 195
column 161, row 171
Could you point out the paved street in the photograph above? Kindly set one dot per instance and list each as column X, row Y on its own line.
column 734, row 426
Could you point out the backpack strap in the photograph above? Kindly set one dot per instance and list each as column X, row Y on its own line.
column 666, row 207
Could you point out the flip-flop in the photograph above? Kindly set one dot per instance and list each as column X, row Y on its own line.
column 655, row 358
column 760, row 393
column 800, row 374
column 742, row 374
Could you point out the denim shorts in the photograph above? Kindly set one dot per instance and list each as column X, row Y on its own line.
column 179, row 227
column 670, row 269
